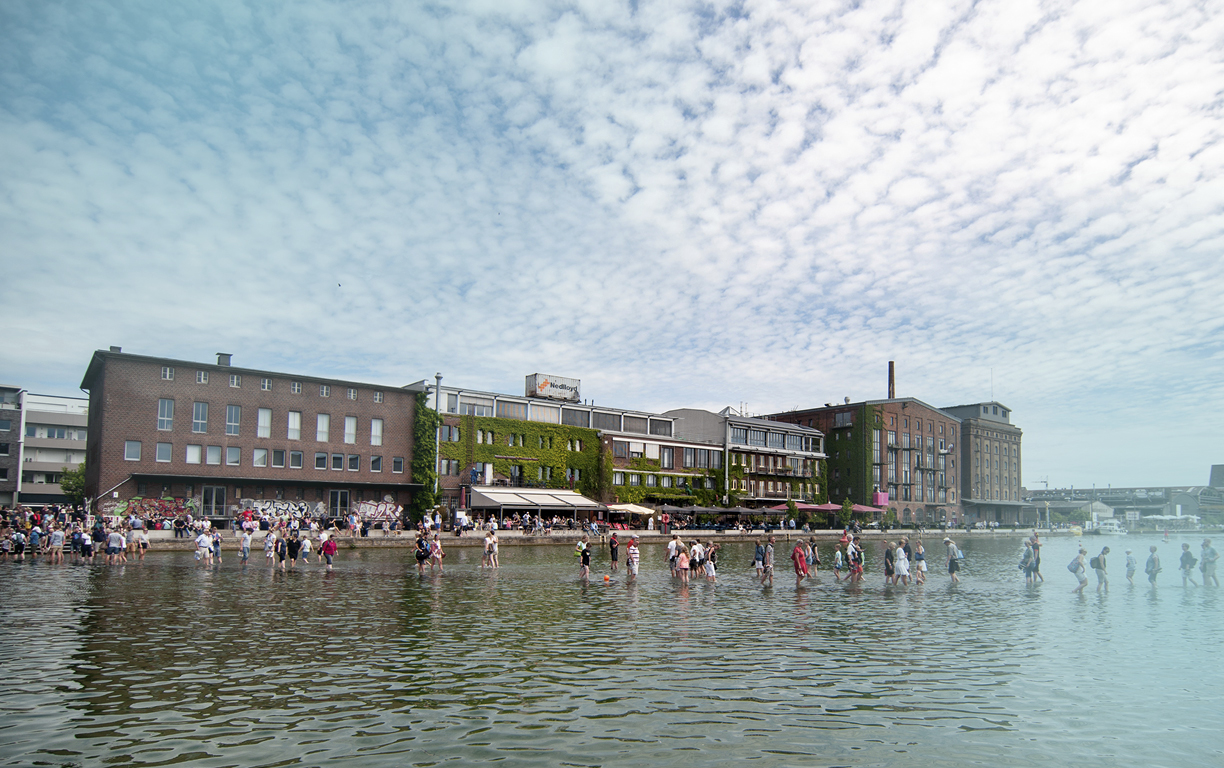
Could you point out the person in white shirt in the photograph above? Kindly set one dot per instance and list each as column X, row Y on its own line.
column 246, row 546
column 203, row 544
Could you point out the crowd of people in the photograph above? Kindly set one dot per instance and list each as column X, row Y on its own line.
column 1206, row 562
column 62, row 534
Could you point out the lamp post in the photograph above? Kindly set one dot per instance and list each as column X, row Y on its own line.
column 437, row 431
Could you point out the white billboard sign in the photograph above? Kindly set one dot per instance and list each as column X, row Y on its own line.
column 552, row 387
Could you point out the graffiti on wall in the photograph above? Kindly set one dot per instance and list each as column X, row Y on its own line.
column 378, row 510
column 282, row 508
column 150, row 507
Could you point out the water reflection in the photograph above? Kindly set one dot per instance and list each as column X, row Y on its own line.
column 372, row 663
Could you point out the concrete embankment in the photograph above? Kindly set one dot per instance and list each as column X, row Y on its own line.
column 164, row 540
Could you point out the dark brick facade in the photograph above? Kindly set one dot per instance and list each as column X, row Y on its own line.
column 125, row 391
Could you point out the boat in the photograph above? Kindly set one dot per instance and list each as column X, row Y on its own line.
column 1109, row 528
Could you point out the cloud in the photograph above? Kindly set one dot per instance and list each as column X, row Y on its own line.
column 681, row 204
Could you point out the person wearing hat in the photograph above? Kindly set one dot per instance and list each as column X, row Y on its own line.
column 1132, row 565
column 631, row 557
column 953, row 560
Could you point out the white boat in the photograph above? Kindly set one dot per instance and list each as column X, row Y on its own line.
column 1109, row 528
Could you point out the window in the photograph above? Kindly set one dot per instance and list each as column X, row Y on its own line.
column 324, row 390
column 690, row 456
column 295, row 459
column 259, row 457
column 376, row 463
column 233, row 415
column 337, row 461
column 164, row 452
column 278, row 458
column 263, row 422
column 194, row 454
column 666, row 481
column 199, row 417
column 322, row 427
column 449, row 434
column 618, row 478
column 508, row 410
column 131, row 450
column 165, row 414
column 378, row 397
column 233, row 456
column 4, row 449
column 265, row 385
column 756, row 437
column 352, row 394
column 651, row 481
column 354, row 462
column 376, row 431
column 350, row 430
column 213, row 455
column 201, row 377
column 620, row 450
column 320, row 461
column 667, row 458
column 572, row 475
column 777, row 440
column 295, row 425
column 167, row 373
column 636, row 424
column 635, row 479
column 295, row 387
column 575, row 418
column 397, row 464
column 739, row 435
column 235, row 380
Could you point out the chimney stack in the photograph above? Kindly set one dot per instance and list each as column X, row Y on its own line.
column 116, row 349
column 892, row 381
column 223, row 358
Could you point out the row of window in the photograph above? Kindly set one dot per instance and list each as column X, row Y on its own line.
column 660, row 481
column 265, row 384
column 260, row 457
column 55, row 433
column 768, row 439
column 905, row 422
column 263, row 423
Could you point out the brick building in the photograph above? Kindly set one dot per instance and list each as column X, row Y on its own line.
column 167, row 436
column 990, row 450
column 897, row 453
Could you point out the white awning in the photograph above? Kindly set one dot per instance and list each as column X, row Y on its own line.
column 494, row 497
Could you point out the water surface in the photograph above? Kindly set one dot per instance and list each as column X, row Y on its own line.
column 165, row 662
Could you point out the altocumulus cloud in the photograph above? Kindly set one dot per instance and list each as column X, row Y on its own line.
column 682, row 204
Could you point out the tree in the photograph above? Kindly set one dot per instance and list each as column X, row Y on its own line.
column 424, row 456
column 847, row 512
column 72, row 483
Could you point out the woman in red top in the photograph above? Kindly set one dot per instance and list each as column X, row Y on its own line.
column 799, row 558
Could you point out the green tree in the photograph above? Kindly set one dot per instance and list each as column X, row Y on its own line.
column 72, row 483
column 847, row 512
column 424, row 456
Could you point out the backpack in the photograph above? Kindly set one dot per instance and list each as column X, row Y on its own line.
column 1095, row 562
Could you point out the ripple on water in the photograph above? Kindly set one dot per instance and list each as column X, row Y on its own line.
column 165, row 662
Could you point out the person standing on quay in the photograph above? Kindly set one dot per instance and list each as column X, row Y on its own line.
column 632, row 556
column 1132, row 565
column 1187, row 565
column 614, row 548
column 1152, row 567
column 1208, row 564
column 953, row 559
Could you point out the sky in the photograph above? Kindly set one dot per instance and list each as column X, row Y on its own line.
column 682, row 204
